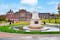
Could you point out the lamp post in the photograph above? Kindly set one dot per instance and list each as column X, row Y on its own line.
column 49, row 19
column 55, row 19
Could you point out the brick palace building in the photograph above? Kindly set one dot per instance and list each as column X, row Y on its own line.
column 23, row 15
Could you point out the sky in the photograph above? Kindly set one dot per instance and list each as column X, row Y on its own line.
column 43, row 6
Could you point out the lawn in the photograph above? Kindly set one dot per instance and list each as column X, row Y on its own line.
column 7, row 29
column 21, row 23
column 51, row 20
column 27, row 22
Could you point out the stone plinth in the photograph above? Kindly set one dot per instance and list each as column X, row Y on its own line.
column 35, row 22
column 35, row 27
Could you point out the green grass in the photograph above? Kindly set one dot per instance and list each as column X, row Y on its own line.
column 27, row 22
column 6, row 29
column 51, row 20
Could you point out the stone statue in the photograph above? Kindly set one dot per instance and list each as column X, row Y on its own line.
column 35, row 22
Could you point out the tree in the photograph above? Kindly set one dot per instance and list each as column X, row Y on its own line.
column 2, row 18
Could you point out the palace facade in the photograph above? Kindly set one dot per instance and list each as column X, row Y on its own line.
column 23, row 15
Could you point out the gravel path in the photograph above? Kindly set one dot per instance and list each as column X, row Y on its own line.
column 8, row 36
column 4, row 24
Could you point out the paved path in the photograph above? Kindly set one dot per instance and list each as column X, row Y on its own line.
column 4, row 24
column 8, row 36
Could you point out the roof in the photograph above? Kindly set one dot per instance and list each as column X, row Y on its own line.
column 44, row 13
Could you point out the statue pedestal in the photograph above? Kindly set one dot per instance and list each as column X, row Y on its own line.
column 35, row 24
column 35, row 27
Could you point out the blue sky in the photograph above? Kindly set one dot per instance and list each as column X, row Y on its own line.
column 43, row 6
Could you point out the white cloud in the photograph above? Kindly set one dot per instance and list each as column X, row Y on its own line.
column 29, row 2
column 39, row 7
column 52, row 3
column 22, row 7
